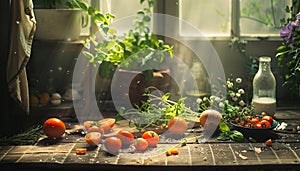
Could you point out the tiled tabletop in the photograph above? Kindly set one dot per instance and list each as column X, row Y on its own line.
column 211, row 155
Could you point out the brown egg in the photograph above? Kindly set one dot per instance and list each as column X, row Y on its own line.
column 34, row 100
column 44, row 98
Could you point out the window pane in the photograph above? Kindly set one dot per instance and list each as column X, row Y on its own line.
column 121, row 8
column 262, row 17
column 212, row 17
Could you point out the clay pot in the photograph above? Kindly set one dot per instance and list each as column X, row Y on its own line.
column 132, row 84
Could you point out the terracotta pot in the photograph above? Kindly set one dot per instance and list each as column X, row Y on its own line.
column 132, row 84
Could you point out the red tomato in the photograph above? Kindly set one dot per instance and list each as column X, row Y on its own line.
column 151, row 137
column 257, row 125
column 126, row 137
column 107, row 124
column 268, row 118
column 140, row 144
column 54, row 128
column 113, row 145
column 265, row 124
column 96, row 129
column 93, row 138
column 269, row 142
column 255, row 120
column 177, row 125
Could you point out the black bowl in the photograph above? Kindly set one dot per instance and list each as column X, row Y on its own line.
column 259, row 134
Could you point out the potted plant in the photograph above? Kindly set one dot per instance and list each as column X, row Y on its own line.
column 55, row 21
column 127, row 55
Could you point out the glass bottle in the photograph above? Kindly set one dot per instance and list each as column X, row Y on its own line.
column 264, row 88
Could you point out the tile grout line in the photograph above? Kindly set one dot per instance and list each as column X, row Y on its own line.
column 68, row 153
column 6, row 152
column 294, row 153
column 190, row 155
column 234, row 156
column 258, row 158
column 275, row 155
column 212, row 154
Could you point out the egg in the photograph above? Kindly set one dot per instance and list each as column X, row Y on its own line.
column 55, row 99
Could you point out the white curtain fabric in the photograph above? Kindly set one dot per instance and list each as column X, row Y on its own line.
column 23, row 26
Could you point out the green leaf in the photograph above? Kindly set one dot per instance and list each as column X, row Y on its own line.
column 223, row 127
column 88, row 54
column 223, row 137
column 236, row 136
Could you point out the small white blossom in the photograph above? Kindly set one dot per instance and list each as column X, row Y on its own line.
column 221, row 105
column 198, row 100
column 205, row 99
column 232, row 94
column 237, row 94
column 238, row 80
column 234, row 99
column 212, row 97
column 217, row 99
column 242, row 103
column 230, row 85
column 241, row 91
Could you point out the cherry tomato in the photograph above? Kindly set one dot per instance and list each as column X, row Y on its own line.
column 80, row 151
column 126, row 137
column 255, row 120
column 151, row 137
column 107, row 124
column 113, row 144
column 93, row 138
column 265, row 124
column 268, row 118
column 96, row 129
column 257, row 125
column 177, row 125
column 140, row 144
column 268, row 142
column 54, row 128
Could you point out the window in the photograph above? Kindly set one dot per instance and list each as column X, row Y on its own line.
column 217, row 18
column 212, row 17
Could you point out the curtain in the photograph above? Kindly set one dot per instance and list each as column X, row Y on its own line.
column 23, row 25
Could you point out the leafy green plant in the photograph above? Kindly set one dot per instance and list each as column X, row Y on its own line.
column 157, row 111
column 136, row 48
column 288, row 52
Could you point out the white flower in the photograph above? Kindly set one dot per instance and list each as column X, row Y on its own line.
column 230, row 85
column 238, row 80
column 217, row 99
column 232, row 94
column 212, row 97
column 205, row 99
column 242, row 103
column 238, row 94
column 241, row 91
column 198, row 100
column 221, row 105
column 234, row 99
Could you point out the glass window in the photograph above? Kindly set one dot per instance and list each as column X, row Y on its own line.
column 262, row 17
column 121, row 8
column 212, row 17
